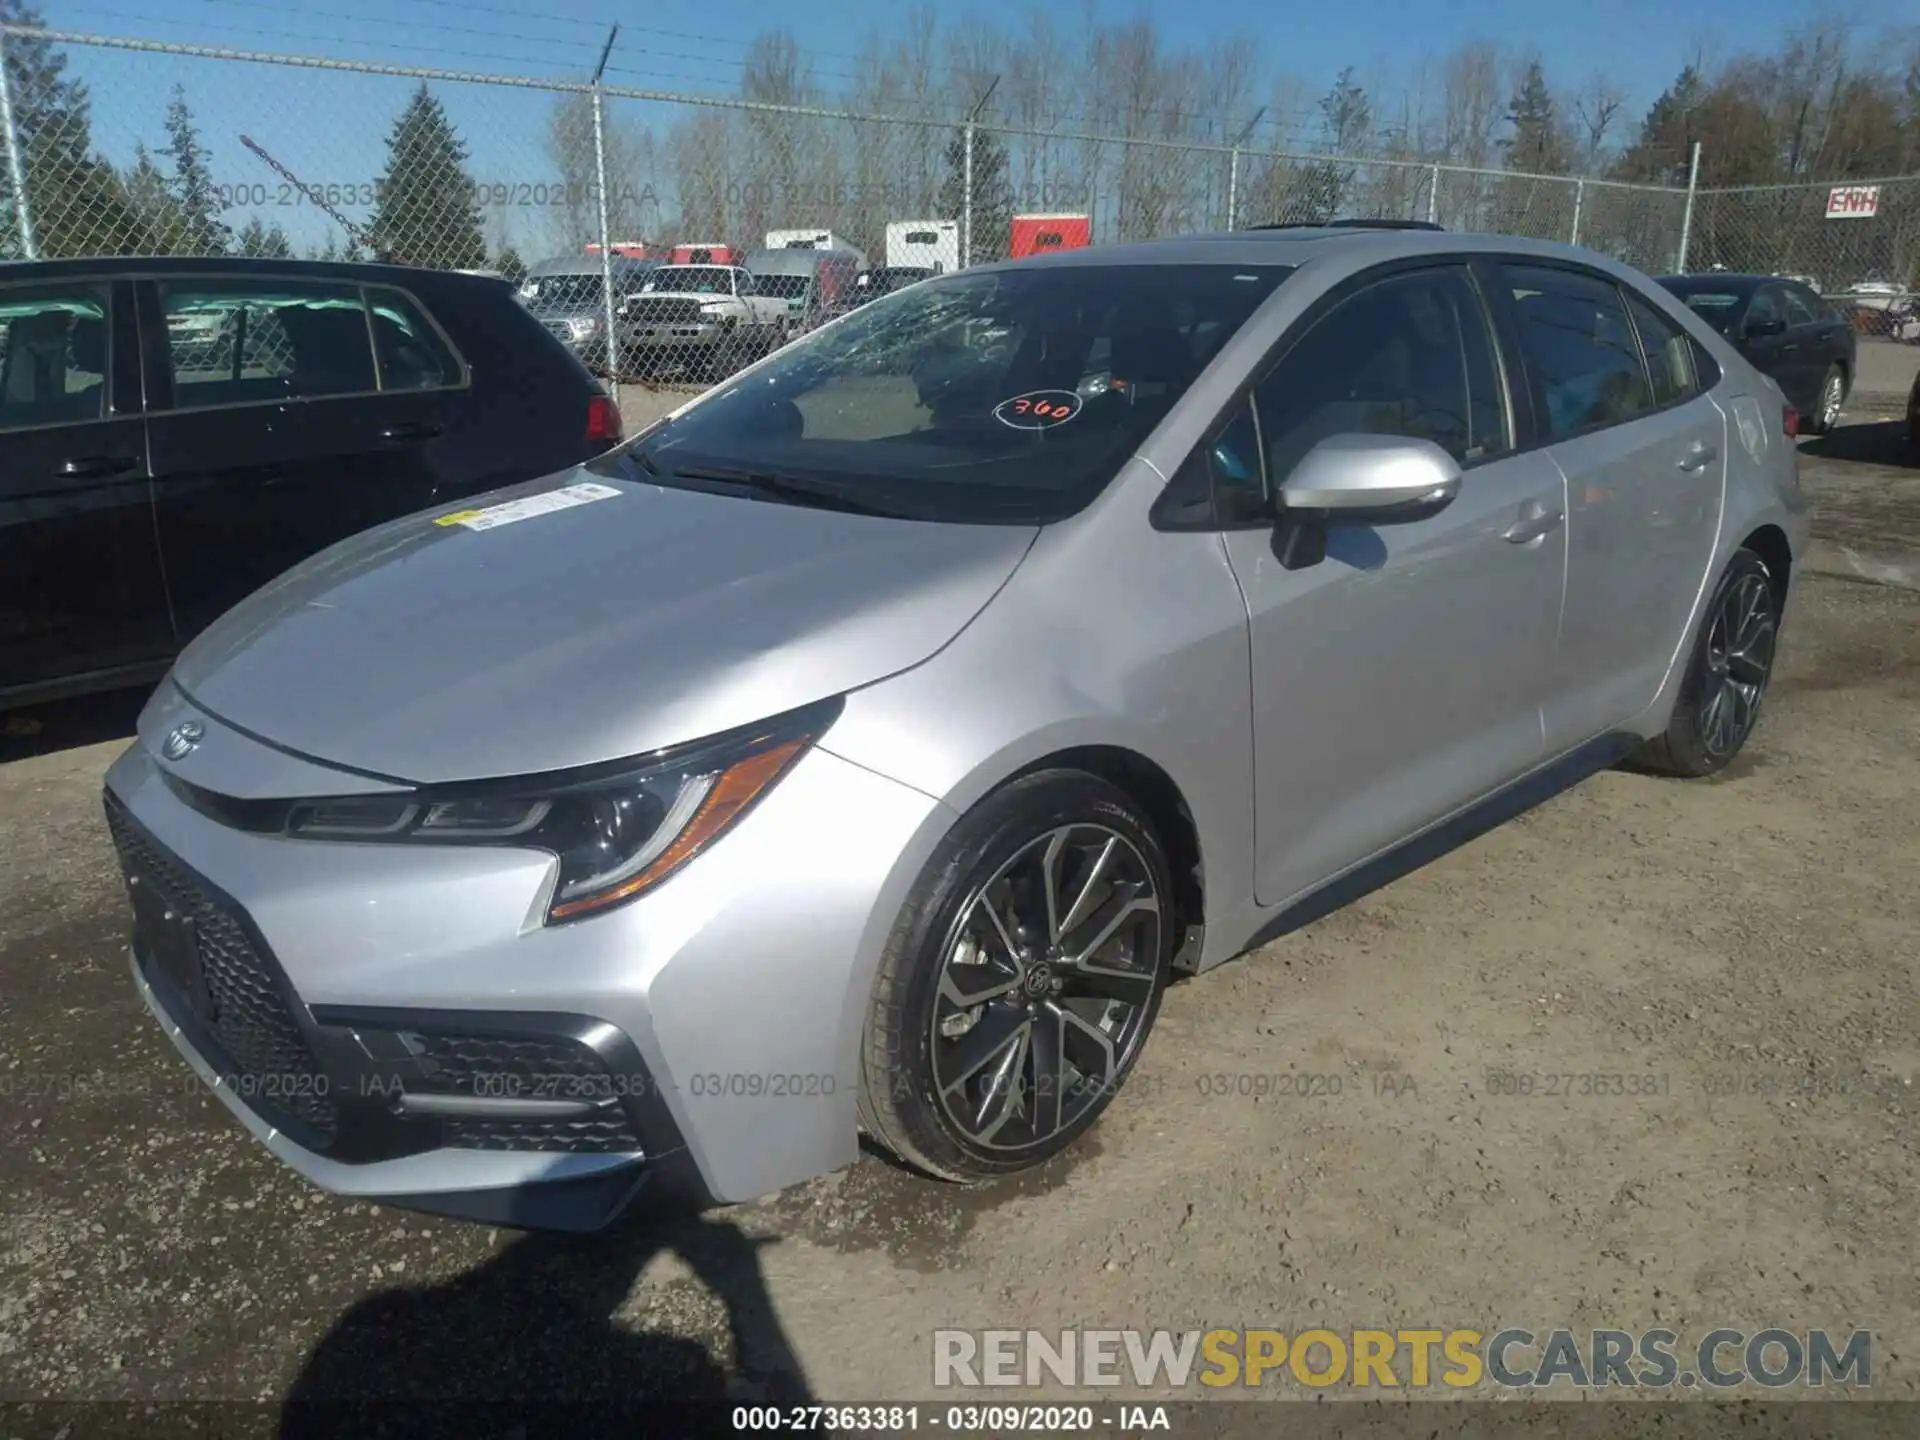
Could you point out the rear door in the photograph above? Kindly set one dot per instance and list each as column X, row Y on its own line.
column 276, row 439
column 1644, row 454
column 80, row 584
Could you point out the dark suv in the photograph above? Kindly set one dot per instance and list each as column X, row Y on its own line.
column 175, row 433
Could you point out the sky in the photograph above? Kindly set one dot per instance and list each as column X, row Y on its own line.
column 330, row 127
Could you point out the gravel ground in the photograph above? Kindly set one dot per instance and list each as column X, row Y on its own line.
column 1751, row 935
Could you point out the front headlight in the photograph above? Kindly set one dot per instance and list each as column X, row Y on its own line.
column 584, row 326
column 617, row 830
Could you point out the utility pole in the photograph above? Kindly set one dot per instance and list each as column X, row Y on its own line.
column 1233, row 168
column 606, row 221
column 966, row 179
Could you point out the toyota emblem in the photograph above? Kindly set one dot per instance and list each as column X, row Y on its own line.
column 183, row 739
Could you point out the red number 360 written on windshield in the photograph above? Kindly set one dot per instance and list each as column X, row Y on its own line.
column 1038, row 409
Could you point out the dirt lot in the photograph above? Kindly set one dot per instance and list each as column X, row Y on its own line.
column 1749, row 942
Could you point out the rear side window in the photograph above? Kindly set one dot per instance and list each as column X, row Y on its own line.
column 53, row 356
column 1668, row 350
column 236, row 342
column 412, row 354
column 1580, row 350
column 1409, row 355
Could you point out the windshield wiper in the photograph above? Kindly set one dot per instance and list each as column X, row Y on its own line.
column 795, row 489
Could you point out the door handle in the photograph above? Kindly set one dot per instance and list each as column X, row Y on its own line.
column 1698, row 457
column 420, row 431
column 1535, row 521
column 86, row 467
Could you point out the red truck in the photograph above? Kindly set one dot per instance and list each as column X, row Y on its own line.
column 1033, row 234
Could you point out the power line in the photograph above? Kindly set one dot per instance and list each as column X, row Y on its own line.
column 440, row 50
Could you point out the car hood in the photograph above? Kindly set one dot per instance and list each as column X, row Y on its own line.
column 428, row 651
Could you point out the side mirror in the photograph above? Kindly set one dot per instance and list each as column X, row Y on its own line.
column 1359, row 479
column 1761, row 329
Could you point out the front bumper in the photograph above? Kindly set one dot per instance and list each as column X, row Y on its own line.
column 662, row 339
column 397, row 1024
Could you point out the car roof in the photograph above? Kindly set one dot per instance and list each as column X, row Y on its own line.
column 368, row 272
column 586, row 265
column 1297, row 245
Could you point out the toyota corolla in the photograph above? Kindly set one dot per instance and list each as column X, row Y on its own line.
column 865, row 747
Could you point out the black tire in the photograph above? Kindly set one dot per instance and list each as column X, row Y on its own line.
column 902, row 1059
column 1821, row 422
column 1695, row 742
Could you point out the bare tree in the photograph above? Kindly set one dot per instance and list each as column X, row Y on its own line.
column 1596, row 106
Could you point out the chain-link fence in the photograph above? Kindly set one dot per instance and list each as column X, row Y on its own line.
column 575, row 192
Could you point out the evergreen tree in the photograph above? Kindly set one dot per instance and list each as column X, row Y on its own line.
column 1538, row 144
column 76, row 200
column 428, row 213
column 992, row 193
column 1665, row 143
column 265, row 242
column 1319, row 191
column 510, row 265
column 162, row 230
column 204, row 232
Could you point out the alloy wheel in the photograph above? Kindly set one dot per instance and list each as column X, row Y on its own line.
column 1739, row 660
column 1830, row 403
column 1046, row 987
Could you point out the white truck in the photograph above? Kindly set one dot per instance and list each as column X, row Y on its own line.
column 923, row 245
column 699, row 318
column 814, row 240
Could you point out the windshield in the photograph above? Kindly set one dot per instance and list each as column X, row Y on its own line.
column 1000, row 396
column 782, row 287
column 691, row 280
column 563, row 289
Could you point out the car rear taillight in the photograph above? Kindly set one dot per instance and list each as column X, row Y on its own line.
column 1790, row 421
column 603, row 421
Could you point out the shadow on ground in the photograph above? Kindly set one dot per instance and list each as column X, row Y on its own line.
column 532, row 1332
column 70, row 724
column 1875, row 442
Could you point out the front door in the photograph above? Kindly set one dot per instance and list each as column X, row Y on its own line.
column 80, row 585
column 272, row 438
column 1402, row 676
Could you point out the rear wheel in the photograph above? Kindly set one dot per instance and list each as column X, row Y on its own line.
column 1727, row 674
column 1826, row 406
column 1020, row 980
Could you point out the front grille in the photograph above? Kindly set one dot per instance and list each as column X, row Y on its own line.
column 526, row 1068
column 560, row 328
column 263, row 1055
column 651, row 311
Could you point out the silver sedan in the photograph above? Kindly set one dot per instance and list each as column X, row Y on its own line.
column 867, row 745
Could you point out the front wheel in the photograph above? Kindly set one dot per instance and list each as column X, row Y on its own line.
column 1727, row 674
column 1020, row 981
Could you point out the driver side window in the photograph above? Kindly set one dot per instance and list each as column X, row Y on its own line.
column 1410, row 355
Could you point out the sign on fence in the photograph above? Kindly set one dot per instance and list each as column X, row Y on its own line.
column 1853, row 202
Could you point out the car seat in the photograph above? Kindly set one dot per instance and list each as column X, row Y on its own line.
column 332, row 352
column 42, row 349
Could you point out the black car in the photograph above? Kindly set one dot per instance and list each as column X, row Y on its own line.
column 1787, row 331
column 175, row 433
